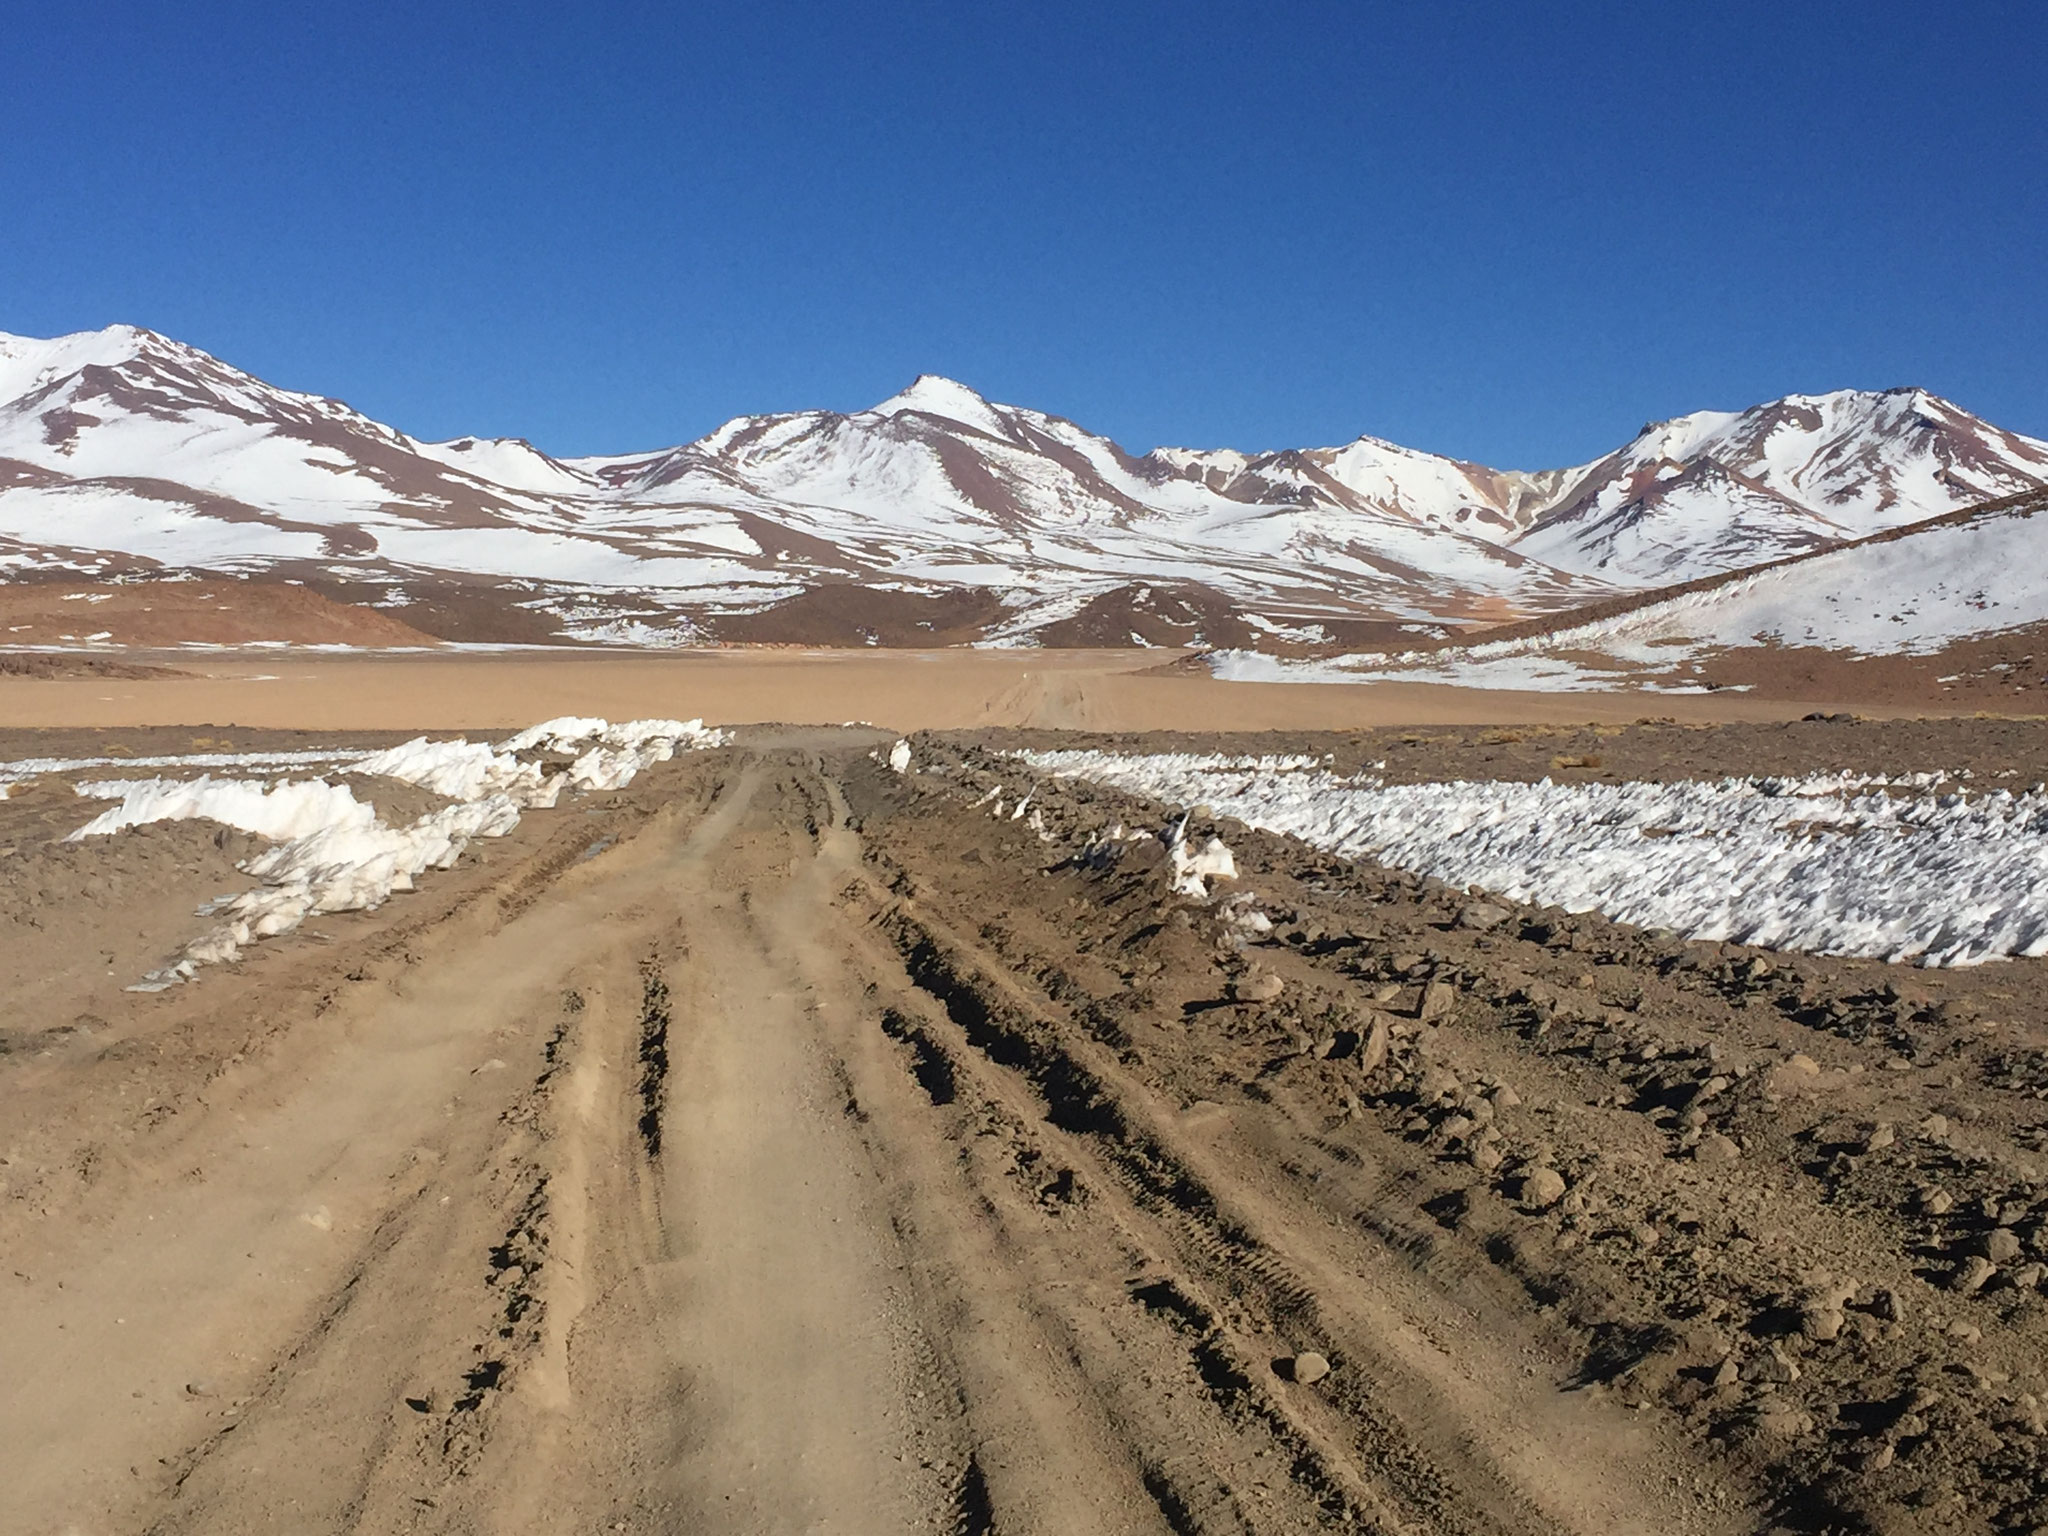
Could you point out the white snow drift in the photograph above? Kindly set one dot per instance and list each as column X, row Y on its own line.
column 332, row 853
column 1836, row 865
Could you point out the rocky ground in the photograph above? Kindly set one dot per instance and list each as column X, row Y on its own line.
column 784, row 1141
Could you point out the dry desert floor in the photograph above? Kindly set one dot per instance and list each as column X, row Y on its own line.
column 785, row 1143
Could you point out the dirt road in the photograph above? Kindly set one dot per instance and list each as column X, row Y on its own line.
column 782, row 1145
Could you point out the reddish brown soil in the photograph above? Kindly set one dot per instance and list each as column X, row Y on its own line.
column 221, row 611
column 845, row 615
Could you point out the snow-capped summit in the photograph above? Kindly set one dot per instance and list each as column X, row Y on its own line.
column 27, row 362
column 932, row 395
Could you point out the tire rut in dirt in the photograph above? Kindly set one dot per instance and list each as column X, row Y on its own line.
column 1075, row 1100
column 654, row 1028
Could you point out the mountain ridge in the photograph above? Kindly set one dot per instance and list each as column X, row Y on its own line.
column 123, row 451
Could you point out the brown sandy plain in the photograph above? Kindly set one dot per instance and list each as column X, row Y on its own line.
column 783, row 1144
column 1120, row 690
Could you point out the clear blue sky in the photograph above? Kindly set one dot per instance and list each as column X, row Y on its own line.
column 1511, row 232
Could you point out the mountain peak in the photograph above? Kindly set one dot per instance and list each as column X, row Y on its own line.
column 28, row 362
column 933, row 394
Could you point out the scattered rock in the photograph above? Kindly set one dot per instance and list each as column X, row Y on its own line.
column 1820, row 1323
column 1782, row 1419
column 1307, row 1368
column 199, row 1388
column 1716, row 1148
column 1436, row 1083
column 1542, row 1188
column 1973, row 1275
column 1999, row 1245
column 1438, row 999
column 1875, row 1458
column 1482, row 915
column 1259, row 987
column 1773, row 1366
column 1372, row 1055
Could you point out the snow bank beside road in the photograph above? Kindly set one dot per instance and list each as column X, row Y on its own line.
column 275, row 812
column 333, row 853
column 1835, row 864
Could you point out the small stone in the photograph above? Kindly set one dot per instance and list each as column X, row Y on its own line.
column 1438, row 999
column 1773, row 1366
column 1727, row 1373
column 1485, row 1157
column 1783, row 1420
column 1457, row 1127
column 1645, row 1236
column 1880, row 1137
column 1712, row 1088
column 1821, row 1324
column 1890, row 1306
column 1716, row 1148
column 1802, row 1065
column 1505, row 1097
column 1877, row 1457
column 1372, row 1055
column 2029, row 1276
column 1973, row 1275
column 1437, row 1083
column 1999, row 1245
column 1482, row 915
column 200, row 1388
column 1542, row 1188
column 1935, row 1202
column 1261, row 987
column 1935, row 1128
column 1307, row 1368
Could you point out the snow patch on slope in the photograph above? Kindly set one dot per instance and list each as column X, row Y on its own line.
column 1910, row 594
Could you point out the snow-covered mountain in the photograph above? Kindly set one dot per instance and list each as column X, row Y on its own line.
column 1716, row 491
column 935, row 514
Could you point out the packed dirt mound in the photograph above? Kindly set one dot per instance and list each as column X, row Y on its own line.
column 216, row 611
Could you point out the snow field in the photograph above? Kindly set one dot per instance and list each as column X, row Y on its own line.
column 1838, row 864
column 331, row 851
